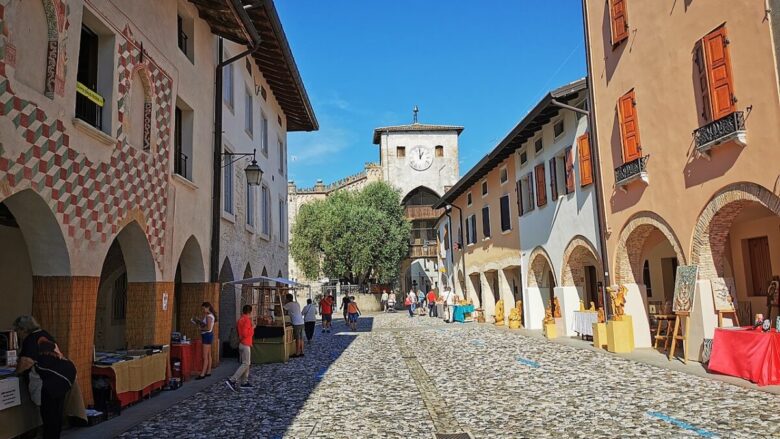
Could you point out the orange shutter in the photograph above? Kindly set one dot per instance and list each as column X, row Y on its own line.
column 541, row 190
column 586, row 166
column 704, row 88
column 619, row 21
column 719, row 73
column 629, row 127
column 568, row 164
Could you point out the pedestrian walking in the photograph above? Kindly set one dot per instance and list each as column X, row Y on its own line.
column 309, row 319
column 206, row 336
column 383, row 300
column 449, row 303
column 296, row 318
column 411, row 298
column 353, row 313
column 391, row 299
column 326, row 311
column 344, row 302
column 432, row 311
column 246, row 332
column 421, row 302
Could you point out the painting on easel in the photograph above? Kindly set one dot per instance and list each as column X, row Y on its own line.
column 723, row 294
column 685, row 288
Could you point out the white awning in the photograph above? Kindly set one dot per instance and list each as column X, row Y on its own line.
column 258, row 279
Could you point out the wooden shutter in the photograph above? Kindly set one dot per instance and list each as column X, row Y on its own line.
column 541, row 190
column 529, row 181
column 617, row 12
column 486, row 222
column 506, row 221
column 719, row 73
column 473, row 229
column 553, row 180
column 519, row 191
column 629, row 127
column 704, row 86
column 568, row 164
column 586, row 165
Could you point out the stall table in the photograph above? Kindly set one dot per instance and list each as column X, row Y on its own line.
column 134, row 379
column 583, row 322
column 19, row 419
column 184, row 352
column 747, row 353
column 268, row 345
column 461, row 313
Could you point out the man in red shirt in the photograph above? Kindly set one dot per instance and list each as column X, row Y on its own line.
column 246, row 332
column 326, row 310
column 432, row 312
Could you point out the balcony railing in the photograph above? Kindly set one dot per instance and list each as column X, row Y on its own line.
column 731, row 127
column 634, row 170
column 422, row 251
column 422, row 212
column 180, row 164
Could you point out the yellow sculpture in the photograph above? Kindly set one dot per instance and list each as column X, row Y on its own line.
column 582, row 306
column 601, row 317
column 592, row 307
column 514, row 319
column 618, row 301
column 548, row 318
column 500, row 313
column 557, row 313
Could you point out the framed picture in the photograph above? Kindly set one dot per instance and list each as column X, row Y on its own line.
column 723, row 294
column 685, row 288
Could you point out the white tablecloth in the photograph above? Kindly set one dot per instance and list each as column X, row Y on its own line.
column 583, row 322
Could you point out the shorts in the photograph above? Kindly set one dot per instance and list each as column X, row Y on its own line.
column 298, row 332
column 353, row 316
column 207, row 337
column 327, row 317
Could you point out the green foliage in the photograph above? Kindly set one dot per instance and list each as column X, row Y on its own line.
column 353, row 235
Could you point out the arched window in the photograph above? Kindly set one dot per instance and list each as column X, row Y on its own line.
column 138, row 122
column 31, row 41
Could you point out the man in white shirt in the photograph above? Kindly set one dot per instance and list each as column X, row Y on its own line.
column 449, row 303
column 296, row 318
column 383, row 300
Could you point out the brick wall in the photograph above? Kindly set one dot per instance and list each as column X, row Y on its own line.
column 146, row 321
column 192, row 296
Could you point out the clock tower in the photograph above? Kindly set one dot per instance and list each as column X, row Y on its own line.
column 420, row 160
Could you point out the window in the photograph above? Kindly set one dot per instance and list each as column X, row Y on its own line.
column 525, row 190
column 629, row 127
column 538, row 145
column 586, row 165
column 568, row 165
column 484, row 188
column 182, row 140
column 523, row 157
column 227, row 187
column 248, row 116
column 506, row 223
column 265, row 208
column 471, row 230
column 619, row 19
column 282, row 222
column 558, row 128
column 716, row 86
column 264, row 143
column 250, row 205
column 541, row 190
column 400, row 151
column 439, row 151
column 282, row 157
column 559, row 162
column 88, row 100
column 468, row 199
column 503, row 176
column 553, row 179
column 486, row 221
column 185, row 28
column 646, row 279
column 119, row 305
column 227, row 83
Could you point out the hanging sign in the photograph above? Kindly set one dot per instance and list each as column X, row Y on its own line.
column 9, row 393
column 165, row 302
column 89, row 94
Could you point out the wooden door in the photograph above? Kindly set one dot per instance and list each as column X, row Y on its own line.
column 760, row 264
column 719, row 73
column 629, row 127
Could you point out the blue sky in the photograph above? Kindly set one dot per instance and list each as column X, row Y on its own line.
column 366, row 63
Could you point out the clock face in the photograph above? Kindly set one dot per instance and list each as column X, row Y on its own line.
column 420, row 158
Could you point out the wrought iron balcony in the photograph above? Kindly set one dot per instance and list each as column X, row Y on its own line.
column 422, row 251
column 725, row 129
column 634, row 170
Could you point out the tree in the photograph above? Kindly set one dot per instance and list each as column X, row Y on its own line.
column 352, row 235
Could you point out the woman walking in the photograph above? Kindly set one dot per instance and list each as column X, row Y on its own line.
column 309, row 319
column 353, row 312
column 206, row 336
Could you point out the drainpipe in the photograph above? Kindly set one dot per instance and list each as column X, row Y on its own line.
column 462, row 253
column 600, row 206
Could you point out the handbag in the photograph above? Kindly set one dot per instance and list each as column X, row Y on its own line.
column 408, row 301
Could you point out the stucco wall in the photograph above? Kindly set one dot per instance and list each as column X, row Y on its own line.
column 396, row 170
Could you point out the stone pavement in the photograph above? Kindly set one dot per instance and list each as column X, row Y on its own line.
column 401, row 377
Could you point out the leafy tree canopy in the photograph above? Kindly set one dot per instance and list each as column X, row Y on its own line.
column 353, row 235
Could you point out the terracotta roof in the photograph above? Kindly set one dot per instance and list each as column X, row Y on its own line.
column 414, row 127
column 541, row 114
column 248, row 22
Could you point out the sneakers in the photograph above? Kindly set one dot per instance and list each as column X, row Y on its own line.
column 232, row 385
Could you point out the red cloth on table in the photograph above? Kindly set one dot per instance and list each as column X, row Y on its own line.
column 750, row 354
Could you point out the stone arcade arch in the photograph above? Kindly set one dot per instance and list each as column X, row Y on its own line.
column 190, row 275
column 227, row 299
column 541, row 283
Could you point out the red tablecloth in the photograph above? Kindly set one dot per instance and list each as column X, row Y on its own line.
column 746, row 353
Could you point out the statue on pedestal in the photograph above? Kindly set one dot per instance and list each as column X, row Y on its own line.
column 514, row 319
column 592, row 307
column 499, row 313
column 548, row 318
column 557, row 309
column 602, row 318
column 582, row 305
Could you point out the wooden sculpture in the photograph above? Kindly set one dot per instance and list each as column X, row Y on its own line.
column 557, row 308
column 548, row 318
column 617, row 295
column 602, row 318
column 514, row 319
column 592, row 307
column 582, row 306
column 500, row 313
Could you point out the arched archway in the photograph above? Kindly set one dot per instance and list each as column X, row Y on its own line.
column 541, row 284
column 582, row 269
column 540, row 269
column 633, row 240
column 227, row 299
column 420, row 196
column 736, row 236
column 189, row 270
column 138, row 117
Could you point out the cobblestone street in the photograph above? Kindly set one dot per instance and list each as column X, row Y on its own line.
column 410, row 378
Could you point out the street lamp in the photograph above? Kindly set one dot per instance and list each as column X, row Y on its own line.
column 254, row 175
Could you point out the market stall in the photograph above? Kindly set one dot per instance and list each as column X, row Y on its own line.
column 131, row 375
column 463, row 313
column 747, row 353
column 273, row 339
column 583, row 322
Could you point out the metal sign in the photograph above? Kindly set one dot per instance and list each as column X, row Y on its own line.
column 89, row 94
